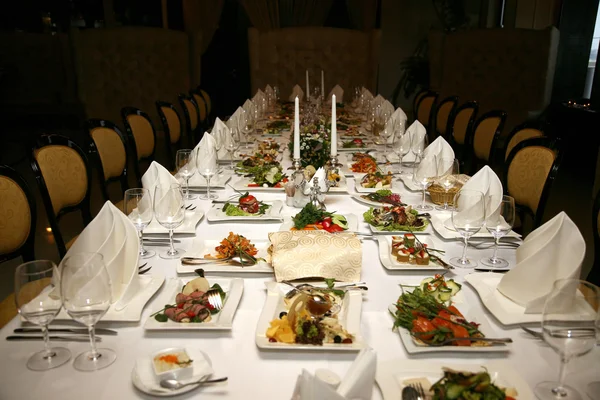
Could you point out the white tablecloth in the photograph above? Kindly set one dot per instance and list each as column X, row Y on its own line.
column 258, row 374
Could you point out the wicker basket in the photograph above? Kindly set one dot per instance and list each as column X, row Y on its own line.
column 440, row 196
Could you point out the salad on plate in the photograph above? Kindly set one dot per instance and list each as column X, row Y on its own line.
column 384, row 196
column 397, row 218
column 354, row 144
column 461, row 385
column 377, row 180
column 311, row 218
column 364, row 164
column 247, row 206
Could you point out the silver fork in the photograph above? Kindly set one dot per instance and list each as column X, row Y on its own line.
column 471, row 339
column 142, row 270
column 214, row 299
column 419, row 388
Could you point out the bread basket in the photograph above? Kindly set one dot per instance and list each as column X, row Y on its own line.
column 439, row 195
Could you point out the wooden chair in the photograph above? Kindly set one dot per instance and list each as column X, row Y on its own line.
column 207, row 101
column 460, row 125
column 527, row 130
column 441, row 116
column 141, row 137
column 594, row 275
column 483, row 138
column 109, row 149
column 63, row 175
column 192, row 118
column 424, row 106
column 172, row 128
column 529, row 173
column 202, row 108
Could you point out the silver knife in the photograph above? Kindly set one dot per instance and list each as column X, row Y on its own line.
column 159, row 239
column 82, row 331
column 73, row 338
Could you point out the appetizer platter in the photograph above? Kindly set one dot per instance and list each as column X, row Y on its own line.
column 379, row 198
column 425, row 316
column 186, row 305
column 311, row 218
column 257, row 162
column 293, row 321
column 356, row 144
column 269, row 178
column 374, row 181
column 397, row 219
column 245, row 208
column 409, row 253
column 276, row 128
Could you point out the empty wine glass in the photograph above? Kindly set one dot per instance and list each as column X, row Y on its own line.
column 86, row 293
column 401, row 146
column 499, row 223
column 169, row 212
column 423, row 175
column 37, row 297
column 186, row 168
column 138, row 208
column 276, row 93
column 245, row 127
column 418, row 143
column 232, row 145
column 568, row 327
column 468, row 217
column 207, row 169
column 448, row 170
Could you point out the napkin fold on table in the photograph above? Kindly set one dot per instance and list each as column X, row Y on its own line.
column 339, row 94
column 321, row 175
column 222, row 134
column 398, row 117
column 553, row 251
column 206, row 153
column 367, row 93
column 269, row 91
column 309, row 387
column 157, row 175
column 437, row 150
column 233, row 121
column 416, row 131
column 296, row 92
column 387, row 107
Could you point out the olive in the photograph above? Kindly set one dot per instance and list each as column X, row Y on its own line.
column 282, row 314
column 337, row 339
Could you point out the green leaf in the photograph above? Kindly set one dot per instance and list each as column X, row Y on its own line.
column 330, row 282
column 161, row 317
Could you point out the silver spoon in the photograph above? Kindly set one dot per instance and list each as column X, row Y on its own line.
column 175, row 384
column 243, row 261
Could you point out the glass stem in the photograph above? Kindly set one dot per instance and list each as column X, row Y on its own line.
column 401, row 157
column 208, row 187
column 187, row 187
column 464, row 253
column 94, row 353
column 423, row 201
column 494, row 257
column 560, row 391
column 48, row 352
column 142, row 250
column 172, row 249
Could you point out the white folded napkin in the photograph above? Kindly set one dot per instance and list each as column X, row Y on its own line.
column 222, row 134
column 399, row 116
column 296, row 92
column 439, row 148
column 233, row 121
column 206, row 153
column 157, row 175
column 145, row 370
column 378, row 100
column 339, row 94
column 366, row 93
column 553, row 251
column 387, row 107
column 269, row 91
column 309, row 387
column 258, row 97
column 415, row 131
column 360, row 378
column 322, row 175
column 248, row 107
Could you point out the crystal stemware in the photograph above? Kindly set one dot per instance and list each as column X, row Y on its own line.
column 232, row 145
column 138, row 208
column 186, row 168
column 37, row 297
column 401, row 145
column 499, row 223
column 448, row 170
column 468, row 217
column 423, row 175
column 418, row 143
column 568, row 328
column 86, row 293
column 169, row 212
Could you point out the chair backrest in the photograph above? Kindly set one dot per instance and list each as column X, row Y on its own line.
column 109, row 147
column 527, row 130
column 141, row 135
column 485, row 134
column 442, row 115
column 63, row 175
column 171, row 127
column 530, row 171
column 201, row 103
column 17, row 216
column 594, row 275
column 424, row 106
column 460, row 122
column 191, row 115
column 207, row 100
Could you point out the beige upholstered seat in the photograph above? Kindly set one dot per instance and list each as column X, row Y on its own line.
column 192, row 118
column 424, row 107
column 141, row 136
column 201, row 107
column 522, row 132
column 461, row 122
column 442, row 114
column 207, row 100
column 171, row 124
column 484, row 136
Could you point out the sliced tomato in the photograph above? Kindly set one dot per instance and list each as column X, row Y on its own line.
column 455, row 311
column 327, row 219
column 326, row 224
column 253, row 185
column 421, row 327
column 460, row 332
column 335, row 228
column 190, row 314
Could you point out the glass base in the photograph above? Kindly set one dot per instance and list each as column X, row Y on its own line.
column 207, row 197
column 460, row 263
column 190, row 196
column 497, row 263
column 445, row 207
column 593, row 390
column 547, row 391
column 167, row 255
column 147, row 253
column 39, row 361
column 424, row 208
column 85, row 361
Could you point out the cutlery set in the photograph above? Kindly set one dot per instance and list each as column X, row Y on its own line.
column 70, row 334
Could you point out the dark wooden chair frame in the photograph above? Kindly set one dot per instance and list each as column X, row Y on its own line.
column 163, row 119
column 91, row 124
column 428, row 93
column 193, row 134
column 209, row 115
column 470, row 139
column 594, row 275
column 461, row 150
column 551, row 144
column 125, row 112
column 27, row 249
column 539, row 125
column 433, row 116
column 83, row 206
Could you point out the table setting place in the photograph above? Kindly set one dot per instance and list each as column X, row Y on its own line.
column 310, row 249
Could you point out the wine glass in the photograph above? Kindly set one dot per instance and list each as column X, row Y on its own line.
column 568, row 327
column 86, row 293
column 233, row 144
column 468, row 217
column 423, row 175
column 245, row 126
column 401, row 145
column 499, row 224
column 37, row 297
column 418, row 143
column 186, row 168
column 169, row 212
column 276, row 93
column 207, row 170
column 138, row 208
column 448, row 170
column 594, row 387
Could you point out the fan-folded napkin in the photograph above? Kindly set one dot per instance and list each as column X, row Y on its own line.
column 157, row 175
column 437, row 150
column 296, row 92
column 553, row 251
column 398, row 117
column 222, row 135
column 416, row 131
column 339, row 94
column 309, row 387
column 359, row 380
column 315, row 254
column 321, row 176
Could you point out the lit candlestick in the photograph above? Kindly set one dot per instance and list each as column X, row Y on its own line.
column 307, row 88
column 322, row 84
column 297, row 128
column 333, row 128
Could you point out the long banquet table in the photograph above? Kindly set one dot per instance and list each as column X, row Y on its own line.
column 259, row 374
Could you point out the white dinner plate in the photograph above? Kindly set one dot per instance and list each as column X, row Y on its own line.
column 350, row 218
column 358, row 187
column 273, row 213
column 223, row 320
column 425, row 231
column 368, row 202
column 407, row 179
column 201, row 247
column 391, row 375
column 188, row 227
column 198, row 182
column 349, row 318
column 442, row 221
column 242, row 186
column 390, row 262
column 149, row 284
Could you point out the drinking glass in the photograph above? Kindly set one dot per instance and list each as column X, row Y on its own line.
column 207, row 171
column 169, row 212
column 245, row 127
column 186, row 168
column 448, row 170
column 423, row 175
column 233, row 144
column 568, row 327
column 276, row 93
column 86, row 293
column 37, row 297
column 138, row 208
column 468, row 217
column 418, row 143
column 499, row 224
column 401, row 145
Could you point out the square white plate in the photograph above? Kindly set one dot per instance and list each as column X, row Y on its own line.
column 222, row 320
column 188, row 227
column 200, row 248
column 273, row 213
column 198, row 182
column 391, row 375
column 439, row 221
column 358, row 187
column 425, row 231
column 390, row 262
column 349, row 318
column 351, row 218
column 407, row 179
column 242, row 186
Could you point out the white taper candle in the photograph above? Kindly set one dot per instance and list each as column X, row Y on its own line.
column 333, row 127
column 296, row 129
